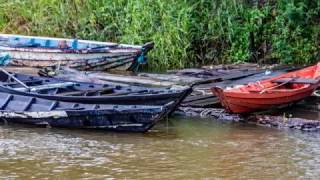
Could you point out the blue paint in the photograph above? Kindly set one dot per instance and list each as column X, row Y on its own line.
column 32, row 41
column 4, row 59
column 13, row 40
column 142, row 59
column 74, row 44
column 47, row 44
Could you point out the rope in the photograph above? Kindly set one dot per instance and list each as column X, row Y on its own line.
column 317, row 93
column 142, row 58
column 259, row 83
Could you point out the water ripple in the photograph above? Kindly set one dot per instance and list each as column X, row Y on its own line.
column 188, row 149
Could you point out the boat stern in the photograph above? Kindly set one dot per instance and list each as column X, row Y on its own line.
column 141, row 58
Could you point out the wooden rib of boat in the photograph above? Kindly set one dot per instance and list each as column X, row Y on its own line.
column 79, row 54
column 281, row 90
column 83, row 92
column 48, row 113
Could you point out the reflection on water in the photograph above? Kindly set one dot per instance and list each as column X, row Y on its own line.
column 185, row 149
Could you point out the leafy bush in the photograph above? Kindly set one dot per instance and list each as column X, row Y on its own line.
column 186, row 32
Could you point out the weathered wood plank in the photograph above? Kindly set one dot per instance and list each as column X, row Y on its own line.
column 203, row 103
column 130, row 79
column 170, row 77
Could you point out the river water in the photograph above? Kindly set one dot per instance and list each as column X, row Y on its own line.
column 177, row 149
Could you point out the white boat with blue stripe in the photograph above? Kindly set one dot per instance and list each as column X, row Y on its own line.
column 88, row 55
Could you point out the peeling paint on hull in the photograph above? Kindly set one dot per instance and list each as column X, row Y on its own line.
column 115, row 121
column 50, row 114
column 94, row 61
column 80, row 54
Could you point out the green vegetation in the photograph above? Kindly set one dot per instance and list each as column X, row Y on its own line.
column 186, row 32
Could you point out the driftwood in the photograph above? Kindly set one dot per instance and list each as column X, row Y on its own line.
column 285, row 122
column 279, row 122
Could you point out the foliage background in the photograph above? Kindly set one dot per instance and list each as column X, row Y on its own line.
column 186, row 32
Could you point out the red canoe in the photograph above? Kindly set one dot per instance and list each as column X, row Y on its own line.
column 284, row 89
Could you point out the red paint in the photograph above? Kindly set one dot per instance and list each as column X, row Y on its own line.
column 266, row 94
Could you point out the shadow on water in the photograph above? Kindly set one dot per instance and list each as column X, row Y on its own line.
column 180, row 148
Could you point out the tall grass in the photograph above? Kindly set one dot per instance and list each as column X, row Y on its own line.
column 186, row 32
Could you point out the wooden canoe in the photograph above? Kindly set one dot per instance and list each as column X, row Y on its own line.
column 48, row 113
column 33, row 51
column 280, row 90
column 42, row 112
column 84, row 92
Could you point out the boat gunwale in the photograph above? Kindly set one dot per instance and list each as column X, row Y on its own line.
column 268, row 94
column 66, row 39
column 69, row 51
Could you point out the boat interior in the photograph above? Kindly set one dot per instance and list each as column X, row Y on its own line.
column 19, row 103
column 52, row 86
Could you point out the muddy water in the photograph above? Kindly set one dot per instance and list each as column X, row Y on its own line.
column 179, row 149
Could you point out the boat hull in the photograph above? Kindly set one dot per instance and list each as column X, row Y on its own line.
column 79, row 54
column 270, row 93
column 144, row 99
column 258, row 102
column 41, row 112
column 108, row 121
column 92, row 61
column 120, row 95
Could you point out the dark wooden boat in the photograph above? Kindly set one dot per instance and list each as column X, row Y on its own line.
column 33, row 51
column 280, row 90
column 42, row 112
column 83, row 92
